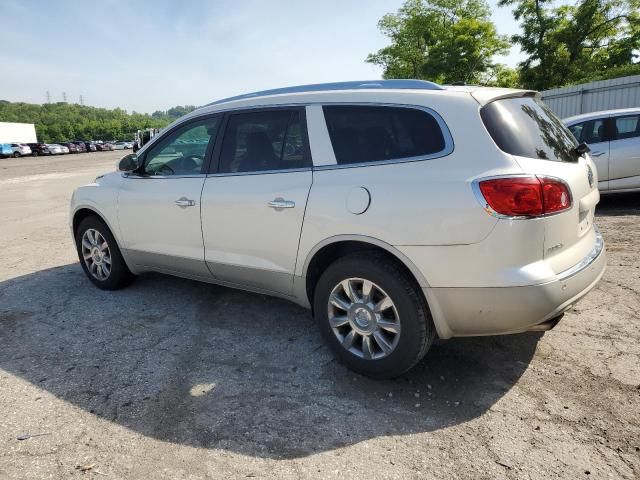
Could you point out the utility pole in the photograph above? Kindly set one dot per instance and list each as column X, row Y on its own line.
column 81, row 100
column 48, row 97
column 64, row 97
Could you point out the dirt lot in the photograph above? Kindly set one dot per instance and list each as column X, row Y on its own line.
column 175, row 379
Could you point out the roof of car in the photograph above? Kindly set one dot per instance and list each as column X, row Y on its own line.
column 603, row 113
column 327, row 87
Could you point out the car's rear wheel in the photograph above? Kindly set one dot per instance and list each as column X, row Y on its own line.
column 372, row 314
column 16, row 154
column 100, row 256
column 35, row 154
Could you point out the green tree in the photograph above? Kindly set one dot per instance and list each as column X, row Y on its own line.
column 63, row 122
column 440, row 40
column 574, row 43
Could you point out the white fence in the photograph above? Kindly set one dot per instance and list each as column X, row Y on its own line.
column 623, row 92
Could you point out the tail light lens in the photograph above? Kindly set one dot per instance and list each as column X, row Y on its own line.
column 526, row 196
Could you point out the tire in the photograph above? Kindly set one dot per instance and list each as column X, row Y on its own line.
column 119, row 275
column 409, row 309
column 16, row 154
column 35, row 154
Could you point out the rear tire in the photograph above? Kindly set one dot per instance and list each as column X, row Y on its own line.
column 387, row 329
column 16, row 154
column 100, row 256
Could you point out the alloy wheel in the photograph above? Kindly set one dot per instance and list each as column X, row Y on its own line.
column 364, row 318
column 96, row 254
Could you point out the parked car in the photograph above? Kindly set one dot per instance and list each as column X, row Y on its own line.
column 72, row 147
column 397, row 210
column 614, row 139
column 6, row 150
column 39, row 149
column 102, row 147
column 54, row 148
column 90, row 147
column 64, row 148
column 120, row 146
column 20, row 149
column 80, row 145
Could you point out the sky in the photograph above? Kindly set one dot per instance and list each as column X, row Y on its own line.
column 152, row 55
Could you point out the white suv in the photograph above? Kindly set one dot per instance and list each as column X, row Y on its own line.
column 397, row 210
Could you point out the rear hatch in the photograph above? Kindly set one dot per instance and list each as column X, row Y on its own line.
column 526, row 128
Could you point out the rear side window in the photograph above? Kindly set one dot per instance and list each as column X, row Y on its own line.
column 263, row 140
column 375, row 133
column 589, row 132
column 627, row 127
column 526, row 127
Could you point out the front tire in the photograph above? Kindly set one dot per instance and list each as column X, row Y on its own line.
column 372, row 314
column 100, row 256
column 16, row 155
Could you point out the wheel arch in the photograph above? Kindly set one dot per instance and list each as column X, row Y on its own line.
column 330, row 249
column 325, row 252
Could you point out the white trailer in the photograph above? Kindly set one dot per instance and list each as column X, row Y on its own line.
column 17, row 132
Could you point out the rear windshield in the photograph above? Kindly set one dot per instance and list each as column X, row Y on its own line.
column 526, row 127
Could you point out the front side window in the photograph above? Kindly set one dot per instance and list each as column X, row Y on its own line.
column 591, row 131
column 526, row 127
column 183, row 151
column 627, row 127
column 361, row 134
column 263, row 140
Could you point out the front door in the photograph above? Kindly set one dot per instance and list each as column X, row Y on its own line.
column 253, row 205
column 624, row 169
column 593, row 133
column 159, row 207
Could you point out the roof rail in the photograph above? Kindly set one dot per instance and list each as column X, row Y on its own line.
column 354, row 85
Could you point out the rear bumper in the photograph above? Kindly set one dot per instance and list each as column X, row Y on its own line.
column 501, row 310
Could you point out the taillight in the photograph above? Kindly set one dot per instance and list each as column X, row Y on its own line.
column 525, row 196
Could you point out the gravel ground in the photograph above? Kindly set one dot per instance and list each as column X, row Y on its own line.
column 174, row 379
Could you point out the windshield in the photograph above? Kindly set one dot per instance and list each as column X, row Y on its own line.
column 526, row 127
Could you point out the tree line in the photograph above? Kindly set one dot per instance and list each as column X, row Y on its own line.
column 63, row 122
column 450, row 41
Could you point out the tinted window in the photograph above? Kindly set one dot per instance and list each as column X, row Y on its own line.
column 627, row 127
column 589, row 132
column 526, row 127
column 183, row 151
column 368, row 134
column 259, row 141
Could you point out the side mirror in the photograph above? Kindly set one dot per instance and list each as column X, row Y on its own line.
column 128, row 163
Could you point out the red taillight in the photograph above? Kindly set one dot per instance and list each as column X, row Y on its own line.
column 525, row 196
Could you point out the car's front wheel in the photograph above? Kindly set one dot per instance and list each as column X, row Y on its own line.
column 100, row 256
column 373, row 315
column 16, row 154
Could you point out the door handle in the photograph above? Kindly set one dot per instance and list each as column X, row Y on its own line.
column 185, row 202
column 280, row 203
column 597, row 154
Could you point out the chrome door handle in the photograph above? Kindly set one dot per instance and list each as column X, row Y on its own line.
column 185, row 202
column 597, row 154
column 280, row 203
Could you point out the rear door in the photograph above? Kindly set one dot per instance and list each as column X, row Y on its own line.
column 527, row 129
column 594, row 133
column 624, row 169
column 254, row 201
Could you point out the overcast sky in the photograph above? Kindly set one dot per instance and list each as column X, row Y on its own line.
column 148, row 56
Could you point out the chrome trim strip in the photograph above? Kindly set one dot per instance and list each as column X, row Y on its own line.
column 586, row 261
column 475, row 186
column 260, row 172
column 161, row 177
